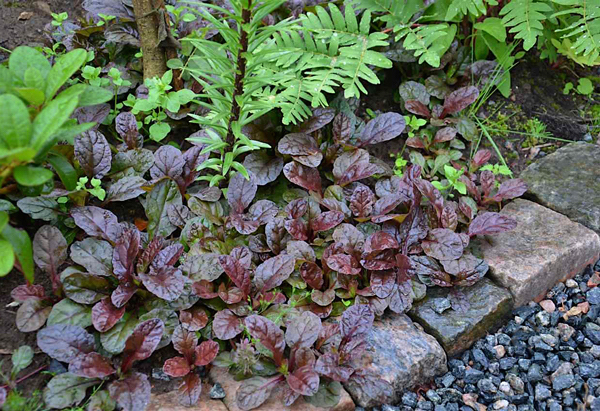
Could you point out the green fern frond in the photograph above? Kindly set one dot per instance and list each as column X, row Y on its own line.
column 395, row 11
column 429, row 42
column 461, row 8
column 290, row 65
column 584, row 32
column 525, row 17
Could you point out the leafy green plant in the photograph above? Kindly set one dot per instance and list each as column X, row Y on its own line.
column 584, row 87
column 35, row 117
column 451, row 181
column 160, row 98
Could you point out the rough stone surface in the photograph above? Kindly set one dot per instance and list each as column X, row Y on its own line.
column 274, row 403
column 545, row 248
column 456, row 331
column 402, row 354
column 170, row 402
column 568, row 181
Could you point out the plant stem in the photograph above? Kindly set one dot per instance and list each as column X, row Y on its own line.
column 26, row 376
column 239, row 76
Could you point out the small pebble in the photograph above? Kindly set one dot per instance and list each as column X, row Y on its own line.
column 217, row 392
column 570, row 283
column 548, row 306
column 499, row 351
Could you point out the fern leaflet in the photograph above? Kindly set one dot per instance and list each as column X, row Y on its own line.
column 525, row 17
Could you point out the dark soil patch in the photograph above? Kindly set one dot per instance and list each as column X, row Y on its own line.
column 15, row 31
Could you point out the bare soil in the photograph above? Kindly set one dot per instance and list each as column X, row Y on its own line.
column 18, row 27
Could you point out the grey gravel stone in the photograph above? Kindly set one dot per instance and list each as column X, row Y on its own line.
column 217, row 392
column 542, row 392
column 563, row 382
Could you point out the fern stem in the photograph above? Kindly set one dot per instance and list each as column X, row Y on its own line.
column 239, row 75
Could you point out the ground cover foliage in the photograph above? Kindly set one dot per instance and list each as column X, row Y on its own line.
column 264, row 235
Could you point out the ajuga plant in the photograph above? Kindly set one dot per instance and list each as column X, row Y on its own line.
column 289, row 65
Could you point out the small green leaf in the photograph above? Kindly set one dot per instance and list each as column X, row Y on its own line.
column 585, row 86
column 32, row 95
column 34, row 79
column 51, row 119
column 21, row 359
column 159, row 131
column 31, row 176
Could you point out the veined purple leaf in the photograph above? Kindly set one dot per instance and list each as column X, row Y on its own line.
column 304, row 380
column 105, row 315
column 125, row 253
column 93, row 153
column 97, row 222
column 269, row 335
column 265, row 168
column 302, row 147
column 443, row 244
column 306, row 177
column 65, row 342
column 320, row 118
column 168, row 162
column 91, row 365
column 382, row 128
column 273, row 272
column 49, row 249
column 227, row 325
column 126, row 126
column 491, row 223
column 165, row 282
column 131, row 393
column 142, row 343
column 241, row 192
column 303, row 330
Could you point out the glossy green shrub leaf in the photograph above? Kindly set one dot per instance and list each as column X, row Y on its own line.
column 16, row 127
column 32, row 95
column 31, row 176
column 51, row 119
column 7, row 257
column 65, row 170
column 94, row 95
column 22, row 58
column 23, row 250
column 63, row 69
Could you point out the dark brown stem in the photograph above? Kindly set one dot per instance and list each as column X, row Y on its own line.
column 239, row 76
